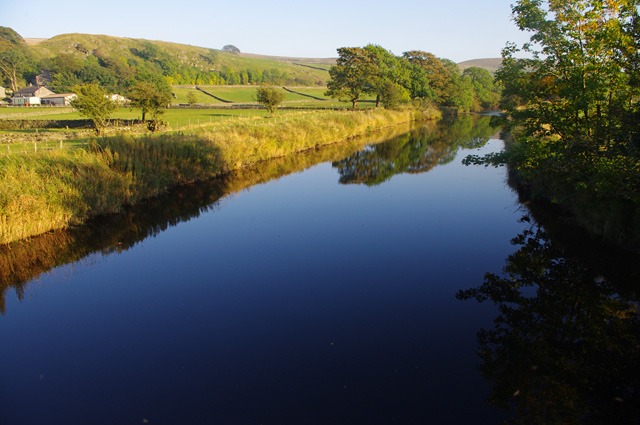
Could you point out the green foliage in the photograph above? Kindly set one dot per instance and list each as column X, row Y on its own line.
column 416, row 75
column 150, row 99
column 269, row 97
column 353, row 74
column 486, row 92
column 438, row 80
column 580, row 83
column 94, row 103
column 391, row 94
column 14, row 57
column 577, row 138
column 192, row 98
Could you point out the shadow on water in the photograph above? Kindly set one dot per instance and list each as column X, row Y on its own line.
column 415, row 152
column 565, row 345
column 24, row 261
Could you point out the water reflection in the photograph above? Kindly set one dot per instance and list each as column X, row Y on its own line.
column 24, row 261
column 415, row 152
column 565, row 346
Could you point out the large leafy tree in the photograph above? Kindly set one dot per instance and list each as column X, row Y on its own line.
column 150, row 98
column 390, row 76
column 94, row 102
column 353, row 74
column 14, row 57
column 579, row 83
column 574, row 111
column 434, row 71
column 439, row 80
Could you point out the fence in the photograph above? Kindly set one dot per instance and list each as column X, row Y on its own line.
column 35, row 147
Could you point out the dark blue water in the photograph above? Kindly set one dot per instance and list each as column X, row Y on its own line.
column 297, row 301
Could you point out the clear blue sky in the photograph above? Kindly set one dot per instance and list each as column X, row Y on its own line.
column 458, row 30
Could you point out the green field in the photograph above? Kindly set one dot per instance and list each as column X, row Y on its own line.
column 175, row 119
column 245, row 94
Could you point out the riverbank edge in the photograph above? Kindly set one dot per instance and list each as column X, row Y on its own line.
column 609, row 219
column 55, row 190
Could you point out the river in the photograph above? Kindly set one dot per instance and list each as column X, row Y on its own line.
column 339, row 286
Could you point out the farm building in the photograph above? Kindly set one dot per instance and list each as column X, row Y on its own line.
column 32, row 91
column 39, row 95
column 62, row 99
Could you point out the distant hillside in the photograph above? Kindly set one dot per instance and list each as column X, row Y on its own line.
column 81, row 54
column 490, row 64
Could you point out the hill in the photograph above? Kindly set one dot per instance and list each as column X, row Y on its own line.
column 490, row 64
column 74, row 58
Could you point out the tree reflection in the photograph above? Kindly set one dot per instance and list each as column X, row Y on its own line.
column 415, row 152
column 565, row 348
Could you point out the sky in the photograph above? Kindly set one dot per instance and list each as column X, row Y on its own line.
column 458, row 30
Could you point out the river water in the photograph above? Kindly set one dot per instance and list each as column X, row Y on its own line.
column 317, row 289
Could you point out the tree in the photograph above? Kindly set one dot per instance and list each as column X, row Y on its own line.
column 230, row 48
column 486, row 96
column 353, row 74
column 192, row 98
column 579, row 84
column 391, row 94
column 14, row 56
column 389, row 78
column 150, row 99
column 269, row 97
column 93, row 102
column 435, row 72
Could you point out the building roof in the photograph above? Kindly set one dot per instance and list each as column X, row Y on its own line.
column 49, row 96
column 29, row 90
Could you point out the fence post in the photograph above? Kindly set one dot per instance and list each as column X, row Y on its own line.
column 60, row 144
column 35, row 147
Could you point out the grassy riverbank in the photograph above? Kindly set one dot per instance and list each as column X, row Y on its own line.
column 51, row 190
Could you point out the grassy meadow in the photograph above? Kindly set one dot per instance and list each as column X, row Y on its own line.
column 51, row 189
